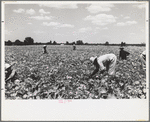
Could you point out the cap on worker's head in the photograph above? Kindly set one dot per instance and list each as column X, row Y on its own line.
column 7, row 66
column 93, row 58
column 44, row 46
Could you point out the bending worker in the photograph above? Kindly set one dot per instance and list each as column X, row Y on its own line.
column 143, row 59
column 106, row 63
column 9, row 72
column 74, row 47
column 44, row 47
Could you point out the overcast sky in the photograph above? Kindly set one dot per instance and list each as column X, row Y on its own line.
column 88, row 21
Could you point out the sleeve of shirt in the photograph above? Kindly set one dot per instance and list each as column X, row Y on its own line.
column 127, row 53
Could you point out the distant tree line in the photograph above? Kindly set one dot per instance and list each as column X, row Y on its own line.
column 30, row 41
column 27, row 41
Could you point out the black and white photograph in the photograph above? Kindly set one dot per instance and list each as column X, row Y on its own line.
column 69, row 51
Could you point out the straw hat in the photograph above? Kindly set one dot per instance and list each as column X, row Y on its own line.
column 7, row 66
column 93, row 58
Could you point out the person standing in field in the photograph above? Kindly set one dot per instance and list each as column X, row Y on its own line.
column 106, row 63
column 74, row 47
column 143, row 59
column 123, row 54
column 44, row 47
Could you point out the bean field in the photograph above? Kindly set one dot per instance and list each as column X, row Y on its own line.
column 63, row 73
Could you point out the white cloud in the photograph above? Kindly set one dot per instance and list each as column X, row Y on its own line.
column 19, row 10
column 101, row 19
column 41, row 11
column 30, row 11
column 127, row 17
column 131, row 22
column 126, row 23
column 42, row 17
column 121, row 24
column 83, row 30
column 57, row 25
column 51, row 24
column 95, row 8
column 67, row 25
column 60, row 5
column 140, row 6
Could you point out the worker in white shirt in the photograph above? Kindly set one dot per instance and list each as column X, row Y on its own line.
column 10, row 73
column 143, row 59
column 106, row 63
column 74, row 47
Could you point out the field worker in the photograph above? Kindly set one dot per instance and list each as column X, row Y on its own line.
column 123, row 54
column 143, row 58
column 44, row 47
column 9, row 72
column 106, row 63
column 74, row 47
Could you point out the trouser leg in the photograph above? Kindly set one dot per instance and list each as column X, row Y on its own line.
column 112, row 66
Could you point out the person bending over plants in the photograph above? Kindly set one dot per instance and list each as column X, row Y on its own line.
column 10, row 73
column 105, row 63
column 143, row 59
column 74, row 47
column 45, row 51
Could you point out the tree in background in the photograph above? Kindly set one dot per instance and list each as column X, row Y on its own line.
column 18, row 42
column 49, row 43
column 107, row 43
column 67, row 43
column 73, row 43
column 8, row 42
column 79, row 42
column 28, row 41
column 54, row 43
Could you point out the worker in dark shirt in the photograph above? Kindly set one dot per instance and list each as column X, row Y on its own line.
column 44, row 47
column 123, row 54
